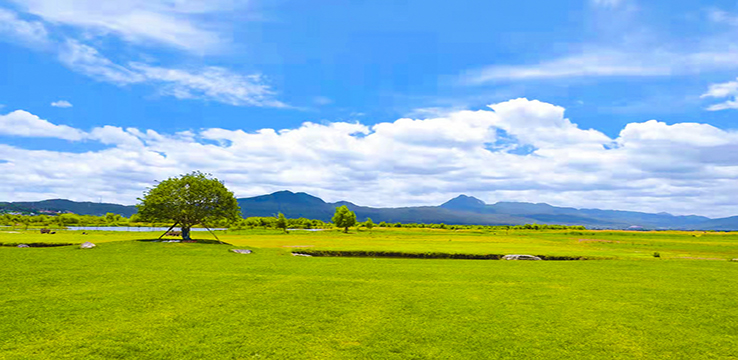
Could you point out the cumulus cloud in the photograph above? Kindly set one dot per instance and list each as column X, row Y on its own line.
column 23, row 123
column 179, row 24
column 649, row 166
column 61, row 104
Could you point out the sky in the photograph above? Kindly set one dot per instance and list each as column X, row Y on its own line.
column 611, row 104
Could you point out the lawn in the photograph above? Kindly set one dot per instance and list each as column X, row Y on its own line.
column 144, row 300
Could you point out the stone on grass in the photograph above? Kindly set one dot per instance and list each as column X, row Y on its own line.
column 521, row 257
column 23, row 246
column 299, row 254
column 87, row 245
column 735, row 260
column 241, row 251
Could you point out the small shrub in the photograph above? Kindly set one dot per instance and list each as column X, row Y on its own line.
column 656, row 254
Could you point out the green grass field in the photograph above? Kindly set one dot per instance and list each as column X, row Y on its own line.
column 143, row 300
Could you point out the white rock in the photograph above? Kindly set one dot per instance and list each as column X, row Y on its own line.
column 298, row 254
column 87, row 245
column 23, row 246
column 241, row 251
column 521, row 257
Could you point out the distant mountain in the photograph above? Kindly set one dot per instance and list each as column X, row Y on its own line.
column 462, row 210
column 61, row 206
column 464, row 203
column 728, row 223
column 466, row 210
column 292, row 205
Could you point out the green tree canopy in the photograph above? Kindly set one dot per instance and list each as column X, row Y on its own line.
column 281, row 222
column 344, row 218
column 188, row 200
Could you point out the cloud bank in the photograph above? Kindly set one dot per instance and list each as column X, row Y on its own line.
column 651, row 166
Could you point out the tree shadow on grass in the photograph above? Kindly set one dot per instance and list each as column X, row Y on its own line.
column 211, row 242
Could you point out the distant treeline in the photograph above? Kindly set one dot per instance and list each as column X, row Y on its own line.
column 63, row 220
column 303, row 223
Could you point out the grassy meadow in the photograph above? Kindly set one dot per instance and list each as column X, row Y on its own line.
column 145, row 300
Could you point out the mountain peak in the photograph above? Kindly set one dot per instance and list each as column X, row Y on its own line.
column 463, row 202
column 286, row 196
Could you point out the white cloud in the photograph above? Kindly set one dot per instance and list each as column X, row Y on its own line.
column 650, row 166
column 608, row 3
column 729, row 104
column 180, row 24
column 89, row 61
column 176, row 23
column 209, row 83
column 61, row 104
column 322, row 100
column 637, row 52
column 22, row 123
column 17, row 29
column 611, row 63
column 723, row 90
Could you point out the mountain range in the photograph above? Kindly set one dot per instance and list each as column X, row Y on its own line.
column 462, row 210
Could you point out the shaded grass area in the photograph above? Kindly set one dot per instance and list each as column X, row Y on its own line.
column 428, row 255
column 38, row 244
column 189, row 301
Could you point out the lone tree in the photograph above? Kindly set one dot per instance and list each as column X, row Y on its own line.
column 344, row 218
column 188, row 200
column 281, row 222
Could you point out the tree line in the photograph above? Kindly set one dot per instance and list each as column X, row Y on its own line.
column 256, row 222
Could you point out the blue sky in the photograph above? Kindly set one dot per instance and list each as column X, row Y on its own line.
column 384, row 103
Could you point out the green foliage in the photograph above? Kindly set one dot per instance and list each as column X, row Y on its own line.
column 188, row 200
column 281, row 222
column 369, row 224
column 344, row 218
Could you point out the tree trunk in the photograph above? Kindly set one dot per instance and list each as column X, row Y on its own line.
column 345, row 230
column 186, row 233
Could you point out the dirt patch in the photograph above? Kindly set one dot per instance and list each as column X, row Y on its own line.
column 297, row 246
